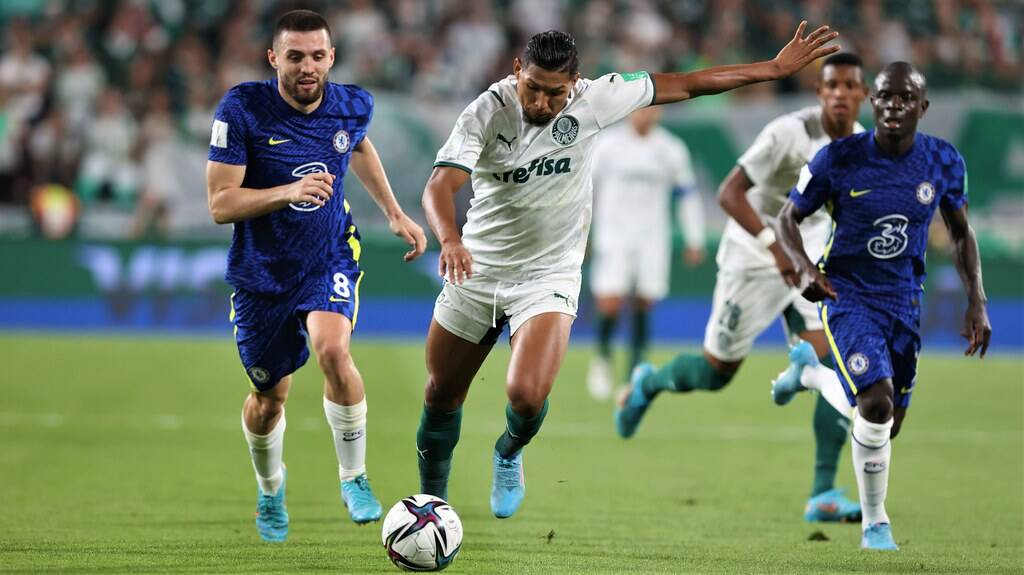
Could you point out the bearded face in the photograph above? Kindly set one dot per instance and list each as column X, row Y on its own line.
column 302, row 61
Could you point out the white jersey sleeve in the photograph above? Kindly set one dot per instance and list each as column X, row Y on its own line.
column 470, row 135
column 615, row 96
column 763, row 158
column 690, row 207
column 683, row 170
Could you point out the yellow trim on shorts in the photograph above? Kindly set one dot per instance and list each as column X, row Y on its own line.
column 353, row 243
column 835, row 349
column 231, row 316
column 348, row 208
column 355, row 312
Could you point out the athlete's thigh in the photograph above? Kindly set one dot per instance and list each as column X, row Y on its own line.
column 269, row 335
column 655, row 263
column 538, row 348
column 742, row 308
column 452, row 363
column 326, row 328
column 859, row 339
column 611, row 272
column 801, row 320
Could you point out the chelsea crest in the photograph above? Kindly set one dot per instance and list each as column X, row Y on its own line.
column 341, row 141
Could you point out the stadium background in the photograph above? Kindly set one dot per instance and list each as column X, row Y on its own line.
column 107, row 105
column 119, row 382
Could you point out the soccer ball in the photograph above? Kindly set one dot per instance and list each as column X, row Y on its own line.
column 422, row 533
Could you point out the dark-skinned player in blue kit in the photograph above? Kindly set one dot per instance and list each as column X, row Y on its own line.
column 882, row 188
column 278, row 156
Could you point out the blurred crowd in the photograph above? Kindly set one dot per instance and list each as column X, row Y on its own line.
column 113, row 99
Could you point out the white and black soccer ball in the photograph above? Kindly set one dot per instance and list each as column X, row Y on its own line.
column 422, row 533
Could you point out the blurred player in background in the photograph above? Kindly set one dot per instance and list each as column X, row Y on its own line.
column 882, row 189
column 639, row 169
column 527, row 142
column 750, row 292
column 278, row 157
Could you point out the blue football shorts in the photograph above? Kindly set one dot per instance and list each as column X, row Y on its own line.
column 270, row 330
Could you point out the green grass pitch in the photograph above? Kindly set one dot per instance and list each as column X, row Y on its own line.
column 124, row 455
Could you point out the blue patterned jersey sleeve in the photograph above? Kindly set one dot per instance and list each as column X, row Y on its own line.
column 228, row 138
column 956, row 183
column 814, row 188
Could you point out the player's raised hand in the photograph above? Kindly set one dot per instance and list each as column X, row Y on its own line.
column 977, row 329
column 455, row 263
column 313, row 188
column 403, row 227
column 802, row 51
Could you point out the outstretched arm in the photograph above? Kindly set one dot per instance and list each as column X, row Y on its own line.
column 455, row 263
column 229, row 202
column 805, row 274
column 675, row 87
column 366, row 165
column 977, row 329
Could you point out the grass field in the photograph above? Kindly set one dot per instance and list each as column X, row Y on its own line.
column 124, row 455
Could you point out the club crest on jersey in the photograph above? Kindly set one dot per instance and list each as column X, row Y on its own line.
column 305, row 170
column 565, row 129
column 858, row 363
column 925, row 193
column 341, row 141
column 259, row 374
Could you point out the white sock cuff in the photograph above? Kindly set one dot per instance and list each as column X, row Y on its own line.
column 264, row 441
column 871, row 435
column 345, row 417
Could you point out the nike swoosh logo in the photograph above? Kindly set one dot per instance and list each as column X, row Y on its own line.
column 274, row 142
column 337, row 299
column 857, row 194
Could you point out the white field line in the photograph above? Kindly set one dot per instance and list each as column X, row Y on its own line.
column 553, row 430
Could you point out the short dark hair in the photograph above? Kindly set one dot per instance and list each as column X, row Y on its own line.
column 552, row 50
column 300, row 21
column 843, row 59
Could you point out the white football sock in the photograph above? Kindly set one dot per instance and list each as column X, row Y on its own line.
column 348, row 424
column 872, row 451
column 825, row 381
column 267, row 452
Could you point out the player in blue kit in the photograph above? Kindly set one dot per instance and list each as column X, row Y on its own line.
column 882, row 188
column 278, row 155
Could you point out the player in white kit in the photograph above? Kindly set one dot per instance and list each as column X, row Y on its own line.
column 750, row 292
column 527, row 143
column 639, row 169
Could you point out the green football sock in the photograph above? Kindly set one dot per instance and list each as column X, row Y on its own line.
column 519, row 431
column 685, row 373
column 830, row 431
column 605, row 331
column 639, row 337
column 435, row 441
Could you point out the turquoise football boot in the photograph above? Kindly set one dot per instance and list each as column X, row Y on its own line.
column 633, row 403
column 509, row 485
column 879, row 536
column 272, row 514
column 787, row 385
column 358, row 498
column 830, row 506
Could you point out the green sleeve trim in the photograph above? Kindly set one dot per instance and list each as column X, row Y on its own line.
column 453, row 165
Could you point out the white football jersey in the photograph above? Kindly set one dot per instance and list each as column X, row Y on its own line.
column 531, row 207
column 773, row 163
column 634, row 177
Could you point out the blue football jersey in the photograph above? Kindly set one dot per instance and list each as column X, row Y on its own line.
column 881, row 208
column 254, row 127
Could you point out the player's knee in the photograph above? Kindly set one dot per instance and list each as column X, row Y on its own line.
column 334, row 358
column 268, row 407
column 719, row 379
column 436, row 395
column 527, row 400
column 875, row 404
